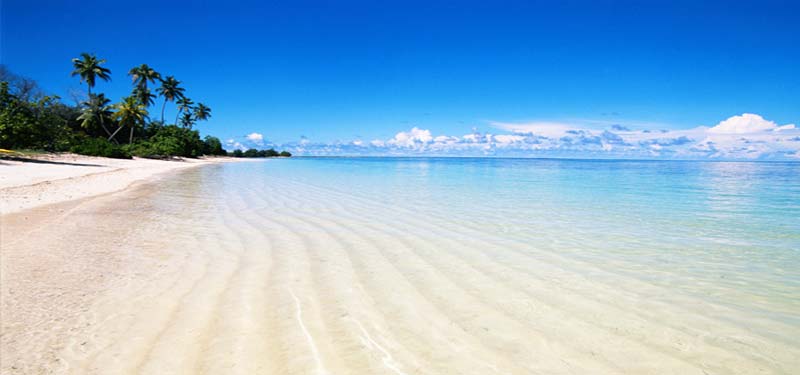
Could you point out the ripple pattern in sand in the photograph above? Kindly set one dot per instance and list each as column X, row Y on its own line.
column 256, row 277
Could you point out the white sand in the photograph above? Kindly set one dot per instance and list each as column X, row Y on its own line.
column 48, row 179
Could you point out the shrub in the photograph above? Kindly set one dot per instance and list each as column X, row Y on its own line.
column 159, row 149
column 168, row 141
column 100, row 147
column 32, row 125
column 253, row 153
column 212, row 146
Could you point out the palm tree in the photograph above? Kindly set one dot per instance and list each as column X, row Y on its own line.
column 202, row 112
column 170, row 91
column 141, row 75
column 130, row 112
column 94, row 109
column 184, row 104
column 187, row 120
column 89, row 68
column 144, row 96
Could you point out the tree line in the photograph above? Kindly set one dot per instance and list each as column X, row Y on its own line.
column 29, row 119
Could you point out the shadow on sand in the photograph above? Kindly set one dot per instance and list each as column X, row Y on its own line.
column 29, row 160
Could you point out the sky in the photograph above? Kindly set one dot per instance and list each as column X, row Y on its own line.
column 599, row 79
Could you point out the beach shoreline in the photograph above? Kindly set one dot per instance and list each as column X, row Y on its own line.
column 45, row 179
column 49, row 286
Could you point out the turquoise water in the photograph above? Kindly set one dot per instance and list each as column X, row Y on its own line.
column 395, row 265
column 725, row 231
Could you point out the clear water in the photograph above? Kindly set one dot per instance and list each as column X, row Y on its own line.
column 651, row 265
column 726, row 231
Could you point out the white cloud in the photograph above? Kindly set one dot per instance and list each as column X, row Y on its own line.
column 472, row 138
column 445, row 139
column 255, row 137
column 543, row 128
column 508, row 138
column 233, row 145
column 747, row 136
column 411, row 138
column 747, row 123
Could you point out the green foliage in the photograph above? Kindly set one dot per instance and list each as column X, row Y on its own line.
column 143, row 74
column 100, row 147
column 89, row 68
column 212, row 146
column 130, row 113
column 171, row 91
column 271, row 153
column 31, row 125
column 31, row 120
column 144, row 96
column 96, row 113
column 202, row 112
column 187, row 120
column 170, row 140
column 185, row 104
column 285, row 154
column 253, row 153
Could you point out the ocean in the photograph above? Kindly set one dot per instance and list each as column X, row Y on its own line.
column 481, row 265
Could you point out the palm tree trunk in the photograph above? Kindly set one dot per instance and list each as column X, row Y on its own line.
column 130, row 141
column 163, row 106
column 115, row 133
column 177, row 115
column 102, row 123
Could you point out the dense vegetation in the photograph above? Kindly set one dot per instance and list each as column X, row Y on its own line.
column 253, row 153
column 29, row 119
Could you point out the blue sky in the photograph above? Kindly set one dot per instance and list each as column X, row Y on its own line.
column 337, row 76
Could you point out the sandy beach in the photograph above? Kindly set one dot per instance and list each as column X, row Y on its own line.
column 55, row 178
column 165, row 269
column 46, row 278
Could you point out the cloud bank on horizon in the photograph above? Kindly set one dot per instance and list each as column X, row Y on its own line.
column 746, row 136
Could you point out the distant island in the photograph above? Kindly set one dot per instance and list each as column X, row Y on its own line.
column 33, row 120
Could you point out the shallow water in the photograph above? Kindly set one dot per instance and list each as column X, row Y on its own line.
column 655, row 253
column 442, row 266
column 723, row 231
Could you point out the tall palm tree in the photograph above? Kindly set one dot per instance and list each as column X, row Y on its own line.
column 184, row 104
column 170, row 91
column 202, row 112
column 89, row 68
column 96, row 109
column 187, row 120
column 141, row 75
column 130, row 112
